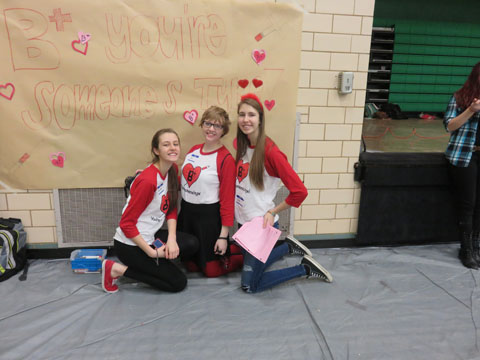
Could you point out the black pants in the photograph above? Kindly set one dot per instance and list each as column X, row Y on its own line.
column 166, row 275
column 466, row 187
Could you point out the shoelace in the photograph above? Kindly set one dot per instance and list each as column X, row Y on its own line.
column 296, row 251
column 316, row 274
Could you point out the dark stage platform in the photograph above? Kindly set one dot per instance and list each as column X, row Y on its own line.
column 405, row 199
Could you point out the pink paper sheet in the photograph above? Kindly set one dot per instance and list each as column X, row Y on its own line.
column 257, row 240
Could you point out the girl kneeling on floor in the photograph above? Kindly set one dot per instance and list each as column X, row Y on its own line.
column 153, row 198
column 208, row 192
column 260, row 168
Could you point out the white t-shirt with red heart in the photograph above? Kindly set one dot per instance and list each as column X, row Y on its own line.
column 251, row 202
column 146, row 208
column 208, row 178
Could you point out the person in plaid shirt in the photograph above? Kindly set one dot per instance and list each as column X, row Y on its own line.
column 463, row 155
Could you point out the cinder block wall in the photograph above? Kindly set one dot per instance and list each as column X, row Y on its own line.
column 35, row 208
column 336, row 37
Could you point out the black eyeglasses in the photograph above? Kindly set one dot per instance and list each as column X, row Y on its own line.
column 208, row 124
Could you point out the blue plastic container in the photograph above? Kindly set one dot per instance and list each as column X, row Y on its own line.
column 87, row 260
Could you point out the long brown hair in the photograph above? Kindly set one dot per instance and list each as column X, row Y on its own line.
column 173, row 186
column 257, row 164
column 470, row 90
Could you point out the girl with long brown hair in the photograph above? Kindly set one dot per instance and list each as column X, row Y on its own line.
column 260, row 168
column 463, row 154
column 153, row 199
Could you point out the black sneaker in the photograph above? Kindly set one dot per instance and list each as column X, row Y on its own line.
column 314, row 269
column 296, row 247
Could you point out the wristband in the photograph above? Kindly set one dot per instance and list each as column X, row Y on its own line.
column 272, row 212
column 223, row 237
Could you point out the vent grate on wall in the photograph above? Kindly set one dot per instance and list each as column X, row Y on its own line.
column 89, row 217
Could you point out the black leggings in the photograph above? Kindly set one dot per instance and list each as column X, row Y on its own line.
column 466, row 186
column 166, row 275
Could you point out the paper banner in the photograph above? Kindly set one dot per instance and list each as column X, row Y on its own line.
column 146, row 64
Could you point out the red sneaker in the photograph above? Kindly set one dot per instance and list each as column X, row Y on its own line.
column 108, row 282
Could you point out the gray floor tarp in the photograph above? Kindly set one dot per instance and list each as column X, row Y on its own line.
column 385, row 303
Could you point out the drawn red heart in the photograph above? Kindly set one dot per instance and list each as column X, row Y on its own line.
column 242, row 170
column 257, row 82
column 243, row 83
column 191, row 174
column 5, row 93
column 57, row 159
column 191, row 116
column 84, row 37
column 258, row 55
column 165, row 204
column 84, row 51
column 269, row 104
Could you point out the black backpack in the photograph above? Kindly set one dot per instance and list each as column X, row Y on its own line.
column 129, row 181
column 13, row 247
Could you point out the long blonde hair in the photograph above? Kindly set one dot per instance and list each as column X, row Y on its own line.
column 257, row 164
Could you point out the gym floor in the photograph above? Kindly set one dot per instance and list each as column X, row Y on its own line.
column 410, row 135
column 400, row 303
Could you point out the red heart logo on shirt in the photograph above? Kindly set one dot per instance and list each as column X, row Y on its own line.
column 191, row 174
column 242, row 170
column 165, row 204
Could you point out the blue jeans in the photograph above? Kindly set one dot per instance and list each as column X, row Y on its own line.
column 254, row 277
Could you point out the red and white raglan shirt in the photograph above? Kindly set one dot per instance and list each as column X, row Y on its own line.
column 146, row 207
column 251, row 202
column 208, row 178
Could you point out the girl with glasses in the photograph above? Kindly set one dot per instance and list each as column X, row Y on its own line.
column 208, row 190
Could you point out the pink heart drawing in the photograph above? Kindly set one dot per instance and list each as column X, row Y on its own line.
column 84, row 37
column 84, row 51
column 191, row 116
column 57, row 159
column 5, row 93
column 258, row 55
column 269, row 104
